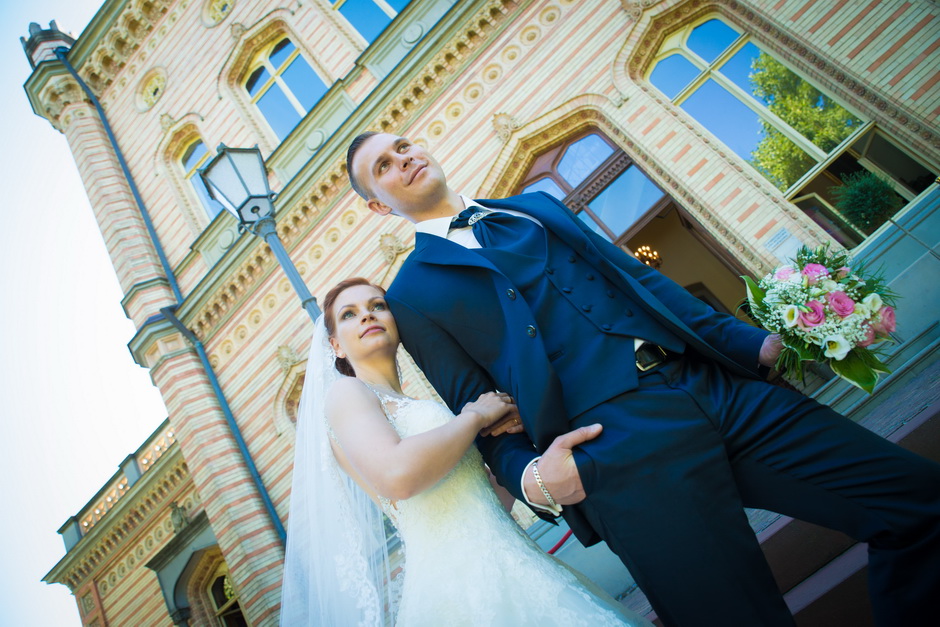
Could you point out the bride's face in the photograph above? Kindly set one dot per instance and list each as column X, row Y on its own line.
column 364, row 326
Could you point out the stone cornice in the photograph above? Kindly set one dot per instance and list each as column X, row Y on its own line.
column 148, row 497
column 138, row 288
column 50, row 89
column 115, row 33
column 153, row 330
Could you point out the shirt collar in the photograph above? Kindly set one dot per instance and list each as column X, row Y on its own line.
column 441, row 226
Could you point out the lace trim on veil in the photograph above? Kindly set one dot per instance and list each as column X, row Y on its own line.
column 336, row 566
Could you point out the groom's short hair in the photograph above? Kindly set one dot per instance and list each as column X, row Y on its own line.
column 354, row 146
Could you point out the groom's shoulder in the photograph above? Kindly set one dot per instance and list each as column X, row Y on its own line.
column 521, row 200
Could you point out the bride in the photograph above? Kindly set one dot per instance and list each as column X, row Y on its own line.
column 363, row 449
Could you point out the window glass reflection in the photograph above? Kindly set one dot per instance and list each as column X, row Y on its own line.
column 304, row 83
column 594, row 226
column 672, row 74
column 546, row 185
column 279, row 112
column 256, row 81
column 366, row 17
column 280, row 52
column 193, row 155
column 711, row 39
column 582, row 157
column 726, row 117
column 626, row 200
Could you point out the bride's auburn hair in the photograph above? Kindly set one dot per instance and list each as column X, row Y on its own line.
column 329, row 316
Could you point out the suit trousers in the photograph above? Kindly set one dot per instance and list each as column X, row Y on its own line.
column 680, row 456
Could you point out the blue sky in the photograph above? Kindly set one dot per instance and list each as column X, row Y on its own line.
column 73, row 403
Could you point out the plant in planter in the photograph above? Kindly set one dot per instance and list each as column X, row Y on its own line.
column 866, row 200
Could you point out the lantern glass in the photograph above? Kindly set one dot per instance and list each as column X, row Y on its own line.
column 236, row 177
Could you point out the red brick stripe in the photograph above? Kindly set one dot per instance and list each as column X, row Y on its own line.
column 858, row 18
column 910, row 66
column 828, row 16
column 900, row 42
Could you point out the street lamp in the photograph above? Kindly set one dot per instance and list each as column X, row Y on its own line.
column 237, row 179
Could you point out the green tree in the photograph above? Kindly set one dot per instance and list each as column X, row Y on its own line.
column 807, row 110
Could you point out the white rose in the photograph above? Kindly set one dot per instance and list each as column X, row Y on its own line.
column 829, row 285
column 837, row 347
column 873, row 302
column 862, row 311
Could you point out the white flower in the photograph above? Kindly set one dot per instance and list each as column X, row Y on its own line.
column 862, row 311
column 812, row 337
column 828, row 285
column 837, row 347
column 791, row 315
column 873, row 302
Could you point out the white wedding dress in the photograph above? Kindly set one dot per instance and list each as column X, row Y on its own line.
column 466, row 560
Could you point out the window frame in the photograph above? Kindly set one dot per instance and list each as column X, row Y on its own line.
column 677, row 42
column 579, row 197
column 382, row 5
column 192, row 178
column 262, row 59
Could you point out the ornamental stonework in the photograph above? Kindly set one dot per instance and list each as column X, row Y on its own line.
column 215, row 11
column 151, row 89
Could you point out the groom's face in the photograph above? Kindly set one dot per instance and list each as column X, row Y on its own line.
column 400, row 177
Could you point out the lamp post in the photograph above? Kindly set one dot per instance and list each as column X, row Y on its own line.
column 237, row 179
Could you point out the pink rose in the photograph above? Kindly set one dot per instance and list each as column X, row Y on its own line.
column 813, row 318
column 813, row 272
column 784, row 273
column 840, row 303
column 869, row 337
column 886, row 323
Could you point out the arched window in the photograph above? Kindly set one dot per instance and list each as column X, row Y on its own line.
column 369, row 17
column 283, row 86
column 224, row 600
column 194, row 157
column 612, row 195
column 599, row 183
column 797, row 136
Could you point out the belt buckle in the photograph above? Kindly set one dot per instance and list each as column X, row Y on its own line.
column 654, row 362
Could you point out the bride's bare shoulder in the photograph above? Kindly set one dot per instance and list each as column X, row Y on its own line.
column 349, row 395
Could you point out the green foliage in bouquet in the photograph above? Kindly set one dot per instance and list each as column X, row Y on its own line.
column 797, row 303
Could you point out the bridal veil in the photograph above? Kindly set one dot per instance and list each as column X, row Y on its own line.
column 336, row 564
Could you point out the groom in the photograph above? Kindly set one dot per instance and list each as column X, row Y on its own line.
column 646, row 405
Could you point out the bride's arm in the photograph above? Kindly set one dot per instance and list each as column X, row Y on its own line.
column 400, row 468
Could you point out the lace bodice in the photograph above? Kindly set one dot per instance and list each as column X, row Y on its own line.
column 467, row 561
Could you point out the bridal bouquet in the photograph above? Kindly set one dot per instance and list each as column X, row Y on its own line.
column 825, row 309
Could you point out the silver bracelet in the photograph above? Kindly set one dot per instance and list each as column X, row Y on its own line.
column 538, row 480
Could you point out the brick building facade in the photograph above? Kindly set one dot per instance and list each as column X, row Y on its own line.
column 620, row 107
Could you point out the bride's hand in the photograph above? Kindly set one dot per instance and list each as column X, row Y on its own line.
column 497, row 413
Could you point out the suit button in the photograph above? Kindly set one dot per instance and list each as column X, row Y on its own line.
column 589, row 277
column 606, row 327
column 566, row 290
column 572, row 258
column 628, row 313
column 610, row 293
column 549, row 270
column 530, row 331
column 511, row 294
column 586, row 308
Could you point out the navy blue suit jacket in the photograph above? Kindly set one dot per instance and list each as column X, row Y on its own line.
column 468, row 335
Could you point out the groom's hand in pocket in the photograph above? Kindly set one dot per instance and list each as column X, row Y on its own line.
column 558, row 470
